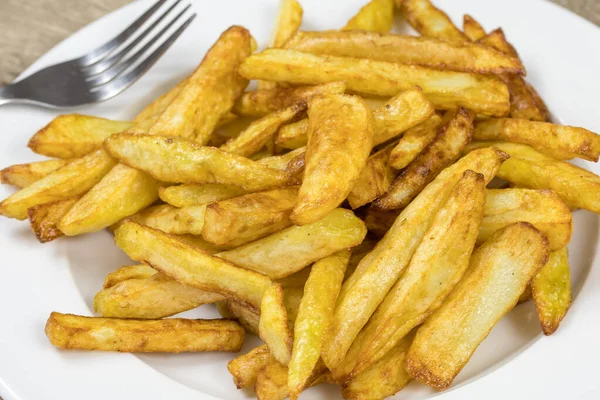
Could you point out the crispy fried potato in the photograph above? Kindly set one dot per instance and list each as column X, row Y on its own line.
column 380, row 221
column 258, row 134
column 525, row 296
column 44, row 218
column 74, row 135
column 248, row 317
column 296, row 280
column 23, row 175
column 414, row 141
column 173, row 159
column 497, row 40
column 446, row 148
column 273, row 326
column 67, row 331
column 192, row 194
column 293, row 135
column 551, row 290
column 199, row 242
column 314, row 314
column 271, row 382
column 189, row 265
column 211, row 90
column 528, row 168
column 250, row 217
column 405, row 49
column 541, row 208
column 245, row 368
column 376, row 16
column 374, row 180
column 150, row 298
column 378, row 271
column 140, row 271
column 561, row 142
column 171, row 219
column 445, row 89
column 73, row 179
column 340, row 138
column 437, row 265
column 159, row 104
column 472, row 29
column 263, row 102
column 291, row 249
column 498, row 273
column 430, row 21
column 291, row 162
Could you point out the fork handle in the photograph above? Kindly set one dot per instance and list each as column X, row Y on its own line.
column 7, row 94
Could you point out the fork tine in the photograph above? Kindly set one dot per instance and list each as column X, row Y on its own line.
column 110, row 60
column 99, row 52
column 121, row 83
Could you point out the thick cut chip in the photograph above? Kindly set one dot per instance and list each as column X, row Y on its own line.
column 437, row 265
column 414, row 141
column 375, row 16
column 296, row 280
column 446, row 148
column 378, row 271
column 171, row 219
column 67, row 331
column 173, row 159
column 374, row 180
column 430, row 21
column 291, row 249
column 405, row 49
column 561, row 142
column 483, row 94
column 498, row 273
column 189, row 265
column 248, row 317
column 23, row 175
column 73, row 179
column 159, row 104
column 293, row 135
column 273, row 326
column 192, row 194
column 139, row 271
column 340, row 138
column 74, row 135
column 292, row 162
column 541, row 208
column 472, row 29
column 44, row 218
column 244, row 219
column 245, row 368
column 551, row 290
column 272, row 381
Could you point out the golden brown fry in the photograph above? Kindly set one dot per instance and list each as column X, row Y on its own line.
column 189, row 265
column 430, row 21
column 245, row 368
column 380, row 221
column 170, row 219
column 445, row 89
column 525, row 296
column 406, row 49
column 378, row 271
column 244, row 219
column 67, row 331
column 446, row 148
column 291, row 249
column 541, row 208
column 23, row 175
column 374, row 180
column 273, row 325
column 551, row 290
column 296, row 280
column 561, row 142
column 375, row 16
column 73, row 179
column 294, row 135
column 498, row 273
column 192, row 194
column 340, row 138
column 292, row 162
column 158, row 105
column 199, row 242
column 314, row 314
column 413, row 142
column 44, row 218
column 247, row 316
column 74, row 135
column 173, row 159
column 140, row 271
column 271, row 382
column 472, row 29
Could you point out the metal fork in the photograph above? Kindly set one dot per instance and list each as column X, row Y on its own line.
column 102, row 73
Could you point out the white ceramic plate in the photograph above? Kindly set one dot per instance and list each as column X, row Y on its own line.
column 562, row 56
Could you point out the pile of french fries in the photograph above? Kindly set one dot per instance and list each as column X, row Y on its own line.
column 339, row 211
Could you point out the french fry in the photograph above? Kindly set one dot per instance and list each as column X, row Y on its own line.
column 406, row 49
column 170, row 219
column 247, row 218
column 248, row 317
column 380, row 221
column 551, row 290
column 378, row 271
column 296, row 280
column 316, row 308
column 23, row 175
column 192, row 194
column 498, row 273
column 340, row 138
column 155, row 297
column 436, row 267
column 266, row 101
column 44, row 218
column 153, row 110
column 413, row 142
column 541, row 208
column 292, row 161
column 375, row 16
column 67, row 331
column 472, row 29
column 560, row 142
column 139, row 271
column 430, row 21
column 189, row 265
column 198, row 242
column 374, row 180
column 74, row 135
column 293, row 135
column 271, row 382
column 273, row 325
column 525, row 296
column 446, row 148
column 211, row 90
column 291, row 249
column 531, row 169
column 73, row 179
column 173, row 159
column 245, row 368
